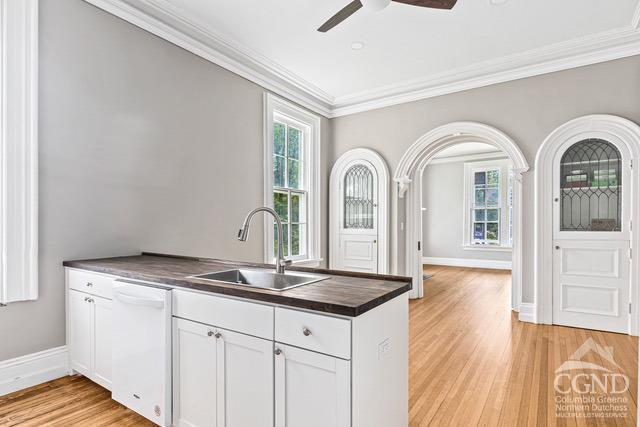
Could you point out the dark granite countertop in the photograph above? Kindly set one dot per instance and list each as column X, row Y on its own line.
column 344, row 293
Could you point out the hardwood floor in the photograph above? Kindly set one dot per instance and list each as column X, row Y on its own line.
column 471, row 363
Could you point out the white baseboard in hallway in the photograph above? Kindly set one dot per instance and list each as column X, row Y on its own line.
column 33, row 369
column 466, row 262
column 526, row 312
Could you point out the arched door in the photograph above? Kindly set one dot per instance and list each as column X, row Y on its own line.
column 359, row 182
column 591, row 233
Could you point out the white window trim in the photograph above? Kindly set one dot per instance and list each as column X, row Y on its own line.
column 18, row 150
column 273, row 107
column 469, row 169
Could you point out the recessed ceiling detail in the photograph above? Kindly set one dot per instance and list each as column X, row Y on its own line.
column 411, row 52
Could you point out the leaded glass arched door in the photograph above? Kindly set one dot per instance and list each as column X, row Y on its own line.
column 591, row 250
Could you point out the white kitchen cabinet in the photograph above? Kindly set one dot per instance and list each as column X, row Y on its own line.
column 221, row 377
column 102, row 333
column 79, row 314
column 90, row 336
column 312, row 389
column 194, row 374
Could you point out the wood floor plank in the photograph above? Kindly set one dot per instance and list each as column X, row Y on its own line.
column 471, row 362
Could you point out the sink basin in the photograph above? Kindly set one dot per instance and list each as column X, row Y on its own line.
column 262, row 279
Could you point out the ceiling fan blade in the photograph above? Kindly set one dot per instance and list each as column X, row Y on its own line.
column 344, row 13
column 435, row 4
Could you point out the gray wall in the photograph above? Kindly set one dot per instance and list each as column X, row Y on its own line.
column 442, row 222
column 527, row 110
column 143, row 146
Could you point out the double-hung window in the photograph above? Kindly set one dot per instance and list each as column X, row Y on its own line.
column 488, row 205
column 292, row 165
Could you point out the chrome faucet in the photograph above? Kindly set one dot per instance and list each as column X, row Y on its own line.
column 243, row 233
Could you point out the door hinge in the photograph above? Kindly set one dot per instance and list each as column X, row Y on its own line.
column 630, row 225
column 629, row 308
column 419, row 247
column 631, row 163
column 630, row 253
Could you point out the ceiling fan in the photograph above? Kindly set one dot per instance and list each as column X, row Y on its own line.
column 376, row 5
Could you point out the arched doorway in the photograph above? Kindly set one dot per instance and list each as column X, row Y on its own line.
column 589, row 224
column 358, row 220
column 409, row 189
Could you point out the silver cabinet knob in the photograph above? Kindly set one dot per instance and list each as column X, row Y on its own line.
column 218, row 335
column 277, row 352
column 210, row 333
column 89, row 284
column 557, row 247
column 86, row 299
column 306, row 332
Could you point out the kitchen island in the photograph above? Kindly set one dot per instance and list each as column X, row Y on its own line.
column 190, row 351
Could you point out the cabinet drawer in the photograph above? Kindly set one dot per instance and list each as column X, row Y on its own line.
column 324, row 334
column 91, row 283
column 228, row 313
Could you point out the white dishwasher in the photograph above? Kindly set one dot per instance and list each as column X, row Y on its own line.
column 142, row 350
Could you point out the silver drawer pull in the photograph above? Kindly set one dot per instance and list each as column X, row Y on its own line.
column 277, row 352
column 218, row 335
column 89, row 284
column 306, row 332
column 210, row 333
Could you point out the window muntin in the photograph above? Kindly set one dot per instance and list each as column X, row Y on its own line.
column 486, row 207
column 590, row 187
column 488, row 194
column 358, row 198
column 289, row 191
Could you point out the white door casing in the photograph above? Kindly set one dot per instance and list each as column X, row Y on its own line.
column 364, row 250
column 609, row 258
column 408, row 180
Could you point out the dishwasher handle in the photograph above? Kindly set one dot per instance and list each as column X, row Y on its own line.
column 133, row 300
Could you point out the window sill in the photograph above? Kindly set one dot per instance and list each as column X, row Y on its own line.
column 494, row 248
column 308, row 262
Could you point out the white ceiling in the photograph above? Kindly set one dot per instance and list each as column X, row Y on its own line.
column 402, row 42
column 410, row 52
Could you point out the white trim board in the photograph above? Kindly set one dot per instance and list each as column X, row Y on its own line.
column 468, row 262
column 33, row 369
column 527, row 312
column 159, row 17
column 493, row 155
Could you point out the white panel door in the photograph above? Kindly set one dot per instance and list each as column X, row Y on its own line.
column 102, row 332
column 358, row 253
column 591, row 254
column 312, row 389
column 194, row 374
column 244, row 380
column 80, row 314
column 358, row 218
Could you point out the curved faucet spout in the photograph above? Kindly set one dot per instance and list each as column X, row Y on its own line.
column 243, row 233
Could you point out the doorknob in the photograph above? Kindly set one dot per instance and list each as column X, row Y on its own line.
column 557, row 247
column 375, row 241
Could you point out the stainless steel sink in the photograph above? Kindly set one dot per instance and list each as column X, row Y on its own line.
column 262, row 279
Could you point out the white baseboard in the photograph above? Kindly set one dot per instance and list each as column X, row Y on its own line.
column 468, row 262
column 527, row 312
column 33, row 369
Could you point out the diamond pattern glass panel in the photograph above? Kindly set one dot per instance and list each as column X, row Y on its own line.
column 590, row 187
column 358, row 198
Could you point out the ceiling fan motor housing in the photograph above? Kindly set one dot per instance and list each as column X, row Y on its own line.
column 375, row 5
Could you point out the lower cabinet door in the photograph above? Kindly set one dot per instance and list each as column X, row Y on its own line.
column 80, row 323
column 245, row 380
column 102, row 333
column 194, row 374
column 312, row 389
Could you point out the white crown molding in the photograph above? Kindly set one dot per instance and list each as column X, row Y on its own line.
column 588, row 50
column 162, row 19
